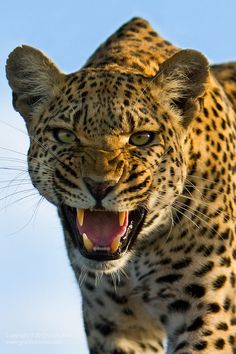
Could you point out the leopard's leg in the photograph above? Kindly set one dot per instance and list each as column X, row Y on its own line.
column 204, row 332
column 115, row 322
column 201, row 318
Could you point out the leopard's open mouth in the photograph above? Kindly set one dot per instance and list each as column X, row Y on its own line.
column 103, row 235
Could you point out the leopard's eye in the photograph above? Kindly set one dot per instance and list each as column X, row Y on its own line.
column 141, row 138
column 64, row 136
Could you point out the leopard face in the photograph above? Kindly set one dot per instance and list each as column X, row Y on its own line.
column 107, row 148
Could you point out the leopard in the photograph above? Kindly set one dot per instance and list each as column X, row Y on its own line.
column 136, row 150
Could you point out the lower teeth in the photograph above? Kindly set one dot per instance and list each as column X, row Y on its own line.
column 100, row 248
column 88, row 245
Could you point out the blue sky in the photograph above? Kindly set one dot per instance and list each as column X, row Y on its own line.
column 40, row 307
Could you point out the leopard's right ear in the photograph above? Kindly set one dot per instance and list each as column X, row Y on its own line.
column 33, row 77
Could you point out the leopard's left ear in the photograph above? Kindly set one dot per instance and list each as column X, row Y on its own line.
column 182, row 81
column 33, row 77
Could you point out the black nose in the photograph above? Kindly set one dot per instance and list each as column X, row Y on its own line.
column 99, row 189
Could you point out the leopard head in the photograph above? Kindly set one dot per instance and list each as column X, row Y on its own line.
column 108, row 147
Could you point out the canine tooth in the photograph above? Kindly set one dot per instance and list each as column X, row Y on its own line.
column 87, row 243
column 121, row 218
column 115, row 244
column 80, row 216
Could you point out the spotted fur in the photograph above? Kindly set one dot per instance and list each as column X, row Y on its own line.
column 174, row 291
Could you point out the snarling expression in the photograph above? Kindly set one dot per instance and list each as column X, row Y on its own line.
column 106, row 148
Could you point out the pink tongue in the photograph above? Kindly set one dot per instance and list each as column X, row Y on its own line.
column 102, row 227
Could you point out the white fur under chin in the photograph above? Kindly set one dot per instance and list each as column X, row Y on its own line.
column 98, row 266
